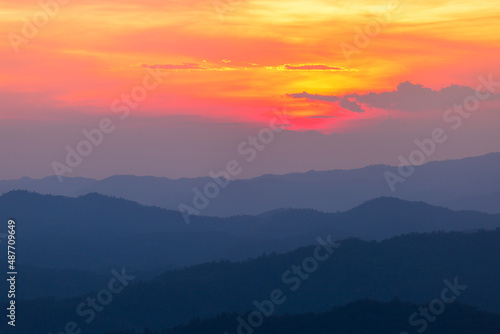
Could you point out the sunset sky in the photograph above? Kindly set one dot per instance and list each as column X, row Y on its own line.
column 233, row 63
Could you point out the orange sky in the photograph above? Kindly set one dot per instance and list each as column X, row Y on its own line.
column 247, row 58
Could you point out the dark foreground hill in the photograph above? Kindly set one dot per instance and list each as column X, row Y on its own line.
column 413, row 267
column 97, row 233
column 360, row 317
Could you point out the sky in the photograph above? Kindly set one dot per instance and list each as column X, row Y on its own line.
column 358, row 82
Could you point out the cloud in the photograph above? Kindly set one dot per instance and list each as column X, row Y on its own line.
column 344, row 101
column 196, row 66
column 312, row 67
column 415, row 97
column 407, row 97
column 187, row 67
column 184, row 66
column 328, row 98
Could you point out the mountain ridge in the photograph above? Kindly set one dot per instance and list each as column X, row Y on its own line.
column 112, row 230
column 470, row 183
column 412, row 267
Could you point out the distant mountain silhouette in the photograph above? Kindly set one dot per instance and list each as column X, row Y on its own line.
column 471, row 183
column 96, row 233
column 412, row 267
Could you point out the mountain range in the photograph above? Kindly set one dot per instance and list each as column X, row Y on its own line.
column 96, row 233
column 415, row 268
column 464, row 184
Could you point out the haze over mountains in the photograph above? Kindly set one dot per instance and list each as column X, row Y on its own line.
column 465, row 184
column 99, row 232
column 388, row 247
column 412, row 267
column 70, row 244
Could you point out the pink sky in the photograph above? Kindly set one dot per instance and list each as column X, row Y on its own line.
column 229, row 68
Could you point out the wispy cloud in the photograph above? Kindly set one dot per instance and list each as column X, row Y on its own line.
column 313, row 67
column 184, row 66
column 322, row 116
column 187, row 67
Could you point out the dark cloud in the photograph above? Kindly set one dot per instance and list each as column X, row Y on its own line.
column 414, row 97
column 344, row 101
column 322, row 116
column 350, row 105
column 406, row 97
column 328, row 98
